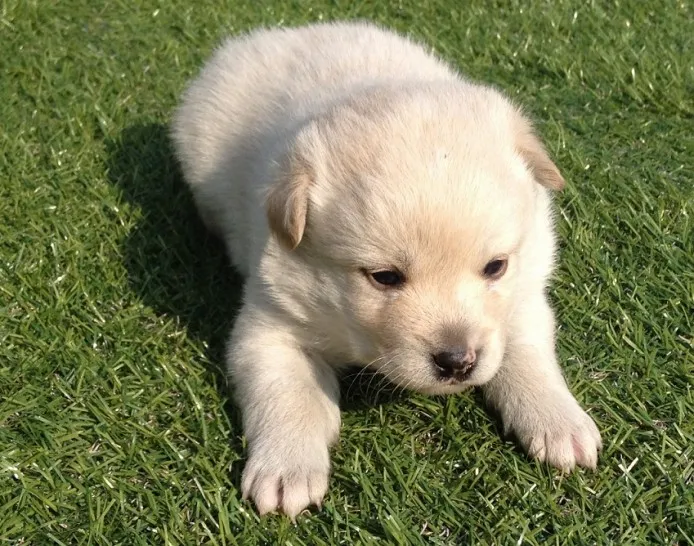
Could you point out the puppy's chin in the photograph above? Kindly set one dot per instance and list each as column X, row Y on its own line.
column 444, row 388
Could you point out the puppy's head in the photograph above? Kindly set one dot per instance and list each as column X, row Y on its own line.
column 411, row 223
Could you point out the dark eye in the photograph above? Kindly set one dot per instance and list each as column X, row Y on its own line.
column 387, row 277
column 496, row 268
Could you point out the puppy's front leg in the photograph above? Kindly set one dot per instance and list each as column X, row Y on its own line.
column 532, row 398
column 289, row 402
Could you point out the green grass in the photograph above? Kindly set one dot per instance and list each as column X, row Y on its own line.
column 114, row 304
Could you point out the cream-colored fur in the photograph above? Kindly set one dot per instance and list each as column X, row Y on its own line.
column 322, row 154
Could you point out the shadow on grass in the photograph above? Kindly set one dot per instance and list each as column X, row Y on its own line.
column 174, row 266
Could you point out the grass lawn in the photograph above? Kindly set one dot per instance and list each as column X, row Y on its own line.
column 115, row 427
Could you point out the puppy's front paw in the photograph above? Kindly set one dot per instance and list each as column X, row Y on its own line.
column 287, row 476
column 558, row 431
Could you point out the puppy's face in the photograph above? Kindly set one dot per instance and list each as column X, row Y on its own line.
column 417, row 226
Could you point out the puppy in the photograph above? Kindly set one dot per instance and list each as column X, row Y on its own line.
column 384, row 211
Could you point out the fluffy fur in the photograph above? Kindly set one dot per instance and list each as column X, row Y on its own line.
column 323, row 154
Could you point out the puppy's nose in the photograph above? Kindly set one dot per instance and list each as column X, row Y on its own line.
column 459, row 359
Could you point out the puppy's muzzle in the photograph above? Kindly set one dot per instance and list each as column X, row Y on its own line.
column 456, row 363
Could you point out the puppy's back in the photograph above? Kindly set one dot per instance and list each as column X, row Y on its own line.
column 256, row 90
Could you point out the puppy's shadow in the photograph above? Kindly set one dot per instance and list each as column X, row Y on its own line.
column 174, row 266
column 361, row 389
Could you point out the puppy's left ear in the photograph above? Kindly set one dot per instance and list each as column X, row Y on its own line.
column 286, row 203
column 536, row 157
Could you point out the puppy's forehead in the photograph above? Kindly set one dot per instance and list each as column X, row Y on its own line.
column 418, row 221
column 486, row 188
column 427, row 185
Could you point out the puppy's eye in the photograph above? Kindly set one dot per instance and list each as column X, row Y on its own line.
column 496, row 268
column 387, row 278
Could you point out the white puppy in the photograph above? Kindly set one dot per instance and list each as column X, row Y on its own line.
column 386, row 212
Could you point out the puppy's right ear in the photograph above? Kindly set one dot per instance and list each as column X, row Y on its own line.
column 286, row 204
column 535, row 155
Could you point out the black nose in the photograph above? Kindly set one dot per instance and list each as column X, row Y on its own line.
column 457, row 361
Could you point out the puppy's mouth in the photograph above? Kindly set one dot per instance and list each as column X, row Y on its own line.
column 452, row 377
